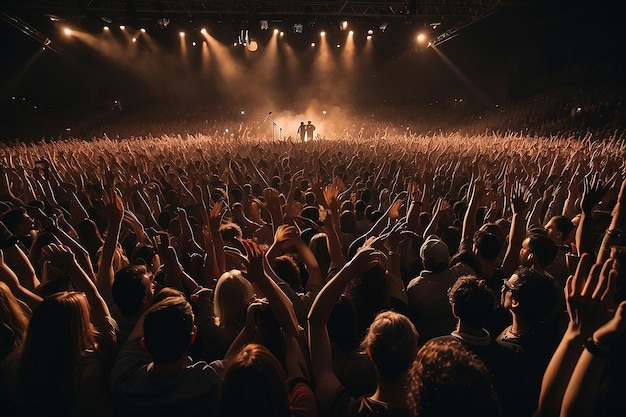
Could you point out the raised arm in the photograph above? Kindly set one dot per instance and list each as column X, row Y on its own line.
column 114, row 210
column 587, row 295
column 326, row 381
column 520, row 203
column 614, row 235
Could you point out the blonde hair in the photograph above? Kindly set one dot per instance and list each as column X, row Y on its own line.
column 233, row 293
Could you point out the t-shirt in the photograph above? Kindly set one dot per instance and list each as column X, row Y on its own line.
column 344, row 405
column 136, row 393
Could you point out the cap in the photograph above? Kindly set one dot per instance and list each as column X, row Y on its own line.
column 434, row 250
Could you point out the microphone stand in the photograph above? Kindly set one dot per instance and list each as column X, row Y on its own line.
column 268, row 117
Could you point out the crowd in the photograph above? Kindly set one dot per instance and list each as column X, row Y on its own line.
column 386, row 274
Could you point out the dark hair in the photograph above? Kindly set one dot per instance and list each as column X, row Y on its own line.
column 347, row 221
column 254, row 383
column 287, row 269
column 447, row 380
column 129, row 289
column 535, row 292
column 542, row 247
column 563, row 225
column 468, row 258
column 167, row 329
column 473, row 300
column 488, row 246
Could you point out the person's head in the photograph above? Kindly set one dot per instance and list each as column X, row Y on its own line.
column 133, row 289
column 232, row 235
column 13, row 322
column 18, row 221
column 447, row 380
column 319, row 246
column 529, row 294
column 435, row 255
column 537, row 251
column 89, row 236
column 287, row 269
column 368, row 294
column 472, row 301
column 391, row 342
column 559, row 229
column 60, row 335
column 347, row 221
column 487, row 246
column 233, row 294
column 168, row 330
column 254, row 384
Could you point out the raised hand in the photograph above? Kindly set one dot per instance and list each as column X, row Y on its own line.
column 520, row 199
column 593, row 191
column 589, row 294
column 285, row 236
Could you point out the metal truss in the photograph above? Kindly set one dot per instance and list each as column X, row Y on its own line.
column 269, row 9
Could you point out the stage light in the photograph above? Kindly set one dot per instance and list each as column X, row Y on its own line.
column 322, row 33
column 421, row 38
column 122, row 27
column 351, row 33
column 276, row 31
column 53, row 17
column 203, row 31
column 282, row 33
column 383, row 26
column 134, row 39
column 106, row 28
column 370, row 32
column 338, row 46
column 313, row 44
column 67, row 31
column 343, row 25
column 435, row 25
column 264, row 24
column 142, row 30
column 243, row 112
column 163, row 22
column 298, row 27
column 252, row 46
column 193, row 43
column 234, row 43
column 181, row 34
column 323, row 111
column 369, row 37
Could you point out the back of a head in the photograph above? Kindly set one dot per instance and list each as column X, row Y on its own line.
column 254, row 384
column 449, row 381
column 129, row 289
column 535, row 292
column 347, row 222
column 472, row 300
column 434, row 253
column 13, row 217
column 287, row 269
column 564, row 225
column 59, row 335
column 542, row 247
column 168, row 327
column 487, row 245
column 232, row 296
column 392, row 343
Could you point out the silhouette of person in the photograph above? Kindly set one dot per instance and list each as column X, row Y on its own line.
column 310, row 128
column 302, row 129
